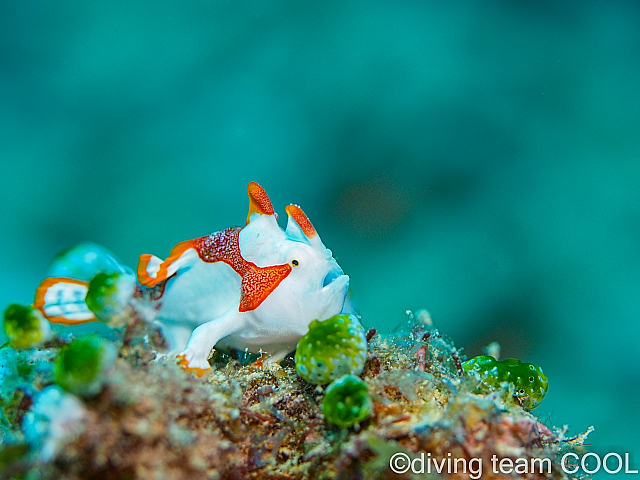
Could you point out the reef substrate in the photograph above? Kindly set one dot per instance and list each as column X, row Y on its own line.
column 153, row 420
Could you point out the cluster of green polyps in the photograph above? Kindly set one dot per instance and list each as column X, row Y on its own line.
column 36, row 417
column 79, row 366
column 529, row 382
column 335, row 350
column 25, row 327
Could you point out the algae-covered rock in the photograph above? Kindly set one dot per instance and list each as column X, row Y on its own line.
column 131, row 417
column 332, row 348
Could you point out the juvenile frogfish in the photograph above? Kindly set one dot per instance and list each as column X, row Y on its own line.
column 255, row 288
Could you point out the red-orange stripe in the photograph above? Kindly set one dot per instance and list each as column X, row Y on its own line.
column 163, row 273
column 258, row 201
column 299, row 216
column 143, row 276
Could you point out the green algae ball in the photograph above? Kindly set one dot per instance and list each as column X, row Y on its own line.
column 529, row 382
column 26, row 327
column 80, row 367
column 109, row 294
column 347, row 401
column 331, row 348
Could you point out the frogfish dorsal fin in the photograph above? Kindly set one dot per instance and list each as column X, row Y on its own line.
column 258, row 201
column 299, row 227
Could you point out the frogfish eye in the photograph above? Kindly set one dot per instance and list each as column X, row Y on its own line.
column 295, row 263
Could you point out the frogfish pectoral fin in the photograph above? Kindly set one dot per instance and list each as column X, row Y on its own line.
column 258, row 283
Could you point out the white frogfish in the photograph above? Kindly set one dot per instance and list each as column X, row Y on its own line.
column 254, row 288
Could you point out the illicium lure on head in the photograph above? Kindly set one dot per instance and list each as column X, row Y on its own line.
column 253, row 288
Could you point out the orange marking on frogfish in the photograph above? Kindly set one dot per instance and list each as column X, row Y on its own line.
column 299, row 216
column 258, row 201
column 163, row 273
column 257, row 282
column 39, row 301
column 49, row 282
column 182, row 361
column 259, row 363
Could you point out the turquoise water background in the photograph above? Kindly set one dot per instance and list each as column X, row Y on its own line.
column 477, row 159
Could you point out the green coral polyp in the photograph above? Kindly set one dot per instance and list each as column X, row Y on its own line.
column 108, row 294
column 347, row 402
column 529, row 382
column 25, row 327
column 80, row 366
column 332, row 348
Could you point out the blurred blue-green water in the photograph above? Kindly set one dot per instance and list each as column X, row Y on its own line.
column 478, row 159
